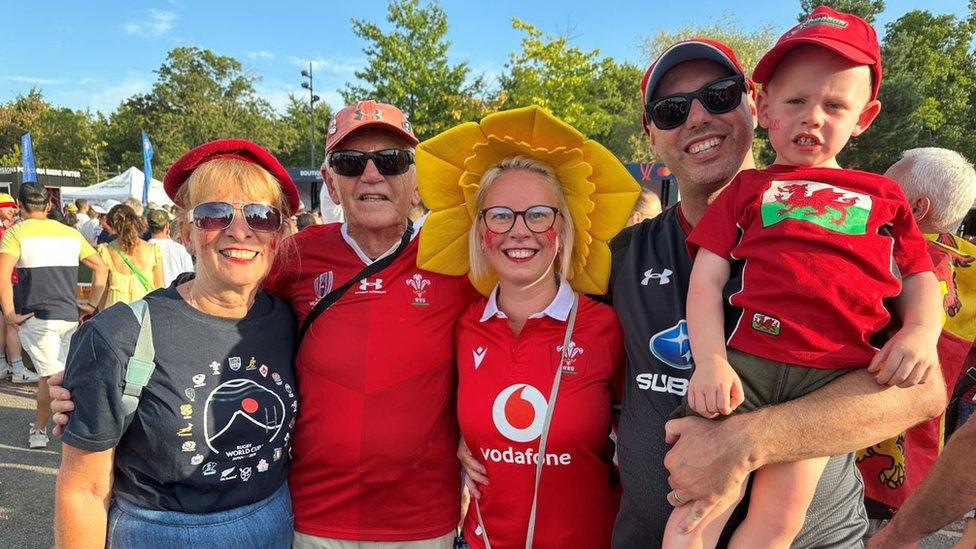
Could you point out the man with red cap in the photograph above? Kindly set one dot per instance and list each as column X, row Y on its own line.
column 700, row 114
column 374, row 447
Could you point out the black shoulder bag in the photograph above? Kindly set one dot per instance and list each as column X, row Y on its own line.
column 329, row 299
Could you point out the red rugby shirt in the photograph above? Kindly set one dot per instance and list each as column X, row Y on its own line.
column 504, row 385
column 374, row 452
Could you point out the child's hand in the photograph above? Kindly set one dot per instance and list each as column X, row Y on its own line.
column 715, row 388
column 908, row 357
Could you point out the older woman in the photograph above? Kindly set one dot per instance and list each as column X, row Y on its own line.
column 533, row 226
column 205, row 459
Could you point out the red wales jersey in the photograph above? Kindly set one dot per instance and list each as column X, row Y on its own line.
column 817, row 248
column 374, row 451
column 504, row 385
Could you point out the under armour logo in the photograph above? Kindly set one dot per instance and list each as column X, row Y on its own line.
column 663, row 277
column 365, row 284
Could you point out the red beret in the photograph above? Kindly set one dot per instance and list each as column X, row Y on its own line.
column 240, row 149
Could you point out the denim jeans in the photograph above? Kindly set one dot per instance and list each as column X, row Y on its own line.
column 267, row 523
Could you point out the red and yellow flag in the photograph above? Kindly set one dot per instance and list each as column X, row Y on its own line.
column 894, row 468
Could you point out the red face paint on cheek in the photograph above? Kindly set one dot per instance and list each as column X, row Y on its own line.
column 550, row 235
column 774, row 125
column 490, row 238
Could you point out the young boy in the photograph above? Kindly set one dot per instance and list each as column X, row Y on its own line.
column 819, row 247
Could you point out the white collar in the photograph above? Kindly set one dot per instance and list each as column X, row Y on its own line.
column 362, row 255
column 558, row 309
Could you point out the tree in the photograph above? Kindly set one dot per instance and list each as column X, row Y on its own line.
column 865, row 9
column 594, row 94
column 927, row 93
column 408, row 67
column 198, row 96
column 748, row 48
column 293, row 132
column 63, row 138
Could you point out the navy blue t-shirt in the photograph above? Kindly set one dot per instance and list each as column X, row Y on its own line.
column 213, row 427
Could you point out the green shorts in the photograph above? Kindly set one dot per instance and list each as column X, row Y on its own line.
column 766, row 382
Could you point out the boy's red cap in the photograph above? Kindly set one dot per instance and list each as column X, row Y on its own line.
column 845, row 34
column 240, row 149
column 367, row 113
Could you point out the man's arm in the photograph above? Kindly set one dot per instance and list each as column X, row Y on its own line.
column 946, row 494
column 848, row 414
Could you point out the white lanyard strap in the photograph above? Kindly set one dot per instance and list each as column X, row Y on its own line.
column 543, row 438
column 541, row 455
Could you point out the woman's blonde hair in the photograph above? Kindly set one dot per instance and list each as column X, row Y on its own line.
column 232, row 173
column 476, row 258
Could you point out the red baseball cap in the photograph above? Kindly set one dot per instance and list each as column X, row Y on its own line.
column 689, row 50
column 845, row 34
column 240, row 149
column 365, row 114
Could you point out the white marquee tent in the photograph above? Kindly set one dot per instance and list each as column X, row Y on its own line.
column 122, row 186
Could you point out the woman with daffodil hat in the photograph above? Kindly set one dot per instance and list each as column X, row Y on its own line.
column 524, row 205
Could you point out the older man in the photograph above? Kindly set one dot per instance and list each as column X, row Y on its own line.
column 940, row 186
column 700, row 115
column 374, row 448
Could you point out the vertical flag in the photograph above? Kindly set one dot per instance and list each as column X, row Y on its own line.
column 27, row 158
column 147, row 154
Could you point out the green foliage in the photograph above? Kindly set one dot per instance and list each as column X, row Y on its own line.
column 865, row 9
column 199, row 96
column 63, row 138
column 594, row 94
column 927, row 94
column 293, row 132
column 748, row 46
column 408, row 68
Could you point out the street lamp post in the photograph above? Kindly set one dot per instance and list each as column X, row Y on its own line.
column 312, row 98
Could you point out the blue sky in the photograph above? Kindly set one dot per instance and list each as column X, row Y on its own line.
column 95, row 54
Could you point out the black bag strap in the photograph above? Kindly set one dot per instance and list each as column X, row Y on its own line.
column 329, row 299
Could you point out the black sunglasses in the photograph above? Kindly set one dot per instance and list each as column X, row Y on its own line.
column 501, row 219
column 217, row 216
column 719, row 96
column 387, row 161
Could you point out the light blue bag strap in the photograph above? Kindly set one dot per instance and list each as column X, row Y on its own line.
column 141, row 365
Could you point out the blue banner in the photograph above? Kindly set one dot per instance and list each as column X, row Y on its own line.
column 147, row 154
column 27, row 159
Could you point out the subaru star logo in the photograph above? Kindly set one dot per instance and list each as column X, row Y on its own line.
column 671, row 346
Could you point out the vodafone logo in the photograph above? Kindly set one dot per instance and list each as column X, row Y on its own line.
column 519, row 411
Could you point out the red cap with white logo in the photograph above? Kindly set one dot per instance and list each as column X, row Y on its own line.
column 364, row 114
column 845, row 34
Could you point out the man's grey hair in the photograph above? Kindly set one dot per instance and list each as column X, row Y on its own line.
column 946, row 178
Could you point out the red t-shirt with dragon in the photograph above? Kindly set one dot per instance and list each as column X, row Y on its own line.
column 818, row 247
column 374, row 451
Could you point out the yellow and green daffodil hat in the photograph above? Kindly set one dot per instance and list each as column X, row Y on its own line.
column 599, row 190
